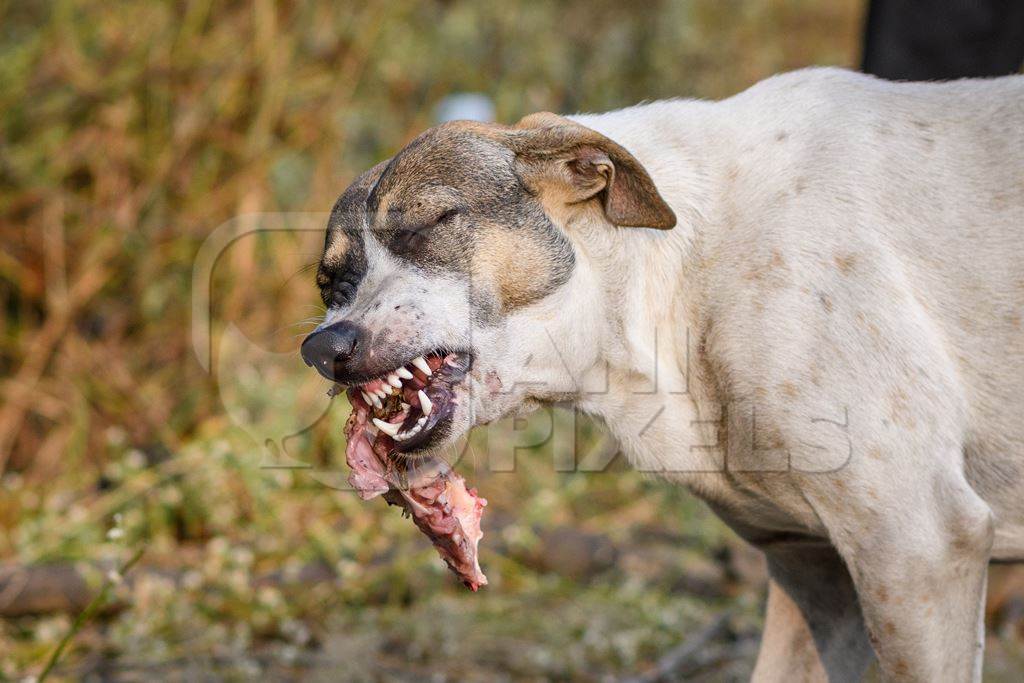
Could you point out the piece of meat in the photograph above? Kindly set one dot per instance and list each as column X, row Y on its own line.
column 428, row 490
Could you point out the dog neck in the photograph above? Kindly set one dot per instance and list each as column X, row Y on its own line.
column 651, row 380
column 653, row 385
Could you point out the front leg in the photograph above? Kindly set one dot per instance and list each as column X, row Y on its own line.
column 919, row 560
column 813, row 629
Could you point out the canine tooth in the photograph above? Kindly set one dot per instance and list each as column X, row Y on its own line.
column 386, row 427
column 394, row 381
column 366, row 397
column 420, row 363
column 403, row 373
column 376, row 401
column 425, row 405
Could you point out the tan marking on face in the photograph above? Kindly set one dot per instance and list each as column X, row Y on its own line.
column 518, row 267
column 336, row 248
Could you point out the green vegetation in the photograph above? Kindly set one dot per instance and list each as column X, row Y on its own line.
column 128, row 133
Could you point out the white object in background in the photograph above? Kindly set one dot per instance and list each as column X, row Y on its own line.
column 473, row 106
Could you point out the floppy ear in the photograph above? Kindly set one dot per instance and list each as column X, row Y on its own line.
column 579, row 163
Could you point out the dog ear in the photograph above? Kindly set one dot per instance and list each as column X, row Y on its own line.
column 579, row 163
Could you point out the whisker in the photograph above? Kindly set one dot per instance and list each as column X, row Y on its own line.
column 303, row 270
column 310, row 325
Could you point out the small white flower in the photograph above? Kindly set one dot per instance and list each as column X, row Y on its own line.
column 135, row 459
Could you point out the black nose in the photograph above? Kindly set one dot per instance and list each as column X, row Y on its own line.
column 328, row 350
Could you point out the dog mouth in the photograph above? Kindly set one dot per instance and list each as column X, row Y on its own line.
column 412, row 406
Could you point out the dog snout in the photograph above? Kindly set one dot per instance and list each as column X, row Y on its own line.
column 332, row 349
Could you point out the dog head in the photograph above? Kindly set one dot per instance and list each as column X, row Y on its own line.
column 451, row 272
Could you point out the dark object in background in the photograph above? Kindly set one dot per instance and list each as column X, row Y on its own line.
column 922, row 40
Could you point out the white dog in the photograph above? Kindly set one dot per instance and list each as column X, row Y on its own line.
column 827, row 347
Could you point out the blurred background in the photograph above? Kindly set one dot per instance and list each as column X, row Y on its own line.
column 132, row 132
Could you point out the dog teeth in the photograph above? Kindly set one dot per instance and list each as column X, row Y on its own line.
column 425, row 405
column 371, row 399
column 381, row 392
column 394, row 381
column 405, row 406
column 403, row 436
column 387, row 427
column 420, row 363
column 403, row 373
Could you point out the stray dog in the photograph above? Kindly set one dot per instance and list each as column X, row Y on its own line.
column 804, row 302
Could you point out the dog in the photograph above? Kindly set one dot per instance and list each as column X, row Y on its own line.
column 803, row 302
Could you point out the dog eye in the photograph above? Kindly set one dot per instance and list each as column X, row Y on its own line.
column 412, row 238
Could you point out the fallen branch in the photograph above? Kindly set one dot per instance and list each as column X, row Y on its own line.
column 62, row 588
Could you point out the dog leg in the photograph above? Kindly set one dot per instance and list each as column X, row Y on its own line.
column 814, row 630
column 919, row 562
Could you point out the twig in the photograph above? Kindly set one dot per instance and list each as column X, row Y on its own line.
column 46, row 340
column 87, row 614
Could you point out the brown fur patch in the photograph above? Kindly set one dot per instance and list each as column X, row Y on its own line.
column 846, row 263
column 789, row 389
column 899, row 409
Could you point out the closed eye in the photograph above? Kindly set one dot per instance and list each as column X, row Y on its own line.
column 412, row 238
